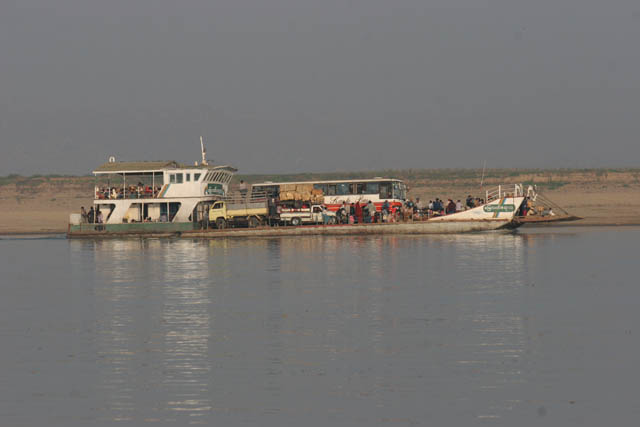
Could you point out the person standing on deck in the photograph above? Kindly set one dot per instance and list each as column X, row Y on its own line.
column 83, row 215
column 325, row 215
column 358, row 212
column 469, row 201
column 372, row 210
column 344, row 213
column 385, row 207
column 243, row 188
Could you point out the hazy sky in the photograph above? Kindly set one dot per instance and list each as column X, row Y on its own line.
column 319, row 85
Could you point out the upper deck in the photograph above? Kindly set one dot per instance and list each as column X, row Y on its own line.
column 160, row 180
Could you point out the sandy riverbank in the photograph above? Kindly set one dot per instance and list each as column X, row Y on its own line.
column 43, row 205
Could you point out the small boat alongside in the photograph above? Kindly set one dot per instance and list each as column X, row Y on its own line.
column 540, row 210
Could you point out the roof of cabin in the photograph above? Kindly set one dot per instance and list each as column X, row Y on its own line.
column 118, row 167
column 148, row 167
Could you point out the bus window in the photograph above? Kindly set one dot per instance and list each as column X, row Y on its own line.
column 343, row 189
column 268, row 190
column 331, row 190
column 372, row 188
column 172, row 178
column 360, row 188
column 385, row 190
column 178, row 178
column 322, row 187
column 399, row 191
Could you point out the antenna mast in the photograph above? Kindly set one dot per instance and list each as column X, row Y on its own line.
column 483, row 168
column 204, row 153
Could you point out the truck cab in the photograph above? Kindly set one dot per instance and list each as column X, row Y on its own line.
column 218, row 210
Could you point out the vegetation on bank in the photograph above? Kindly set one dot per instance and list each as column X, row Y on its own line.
column 550, row 178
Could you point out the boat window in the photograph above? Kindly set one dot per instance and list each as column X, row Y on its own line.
column 196, row 176
column 214, row 188
column 188, row 177
column 343, row 189
column 178, row 178
column 173, row 209
column 172, row 178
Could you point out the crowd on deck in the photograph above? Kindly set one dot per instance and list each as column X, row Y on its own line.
column 139, row 191
column 366, row 212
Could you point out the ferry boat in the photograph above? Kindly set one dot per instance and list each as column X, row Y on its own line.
column 168, row 199
column 178, row 201
column 151, row 197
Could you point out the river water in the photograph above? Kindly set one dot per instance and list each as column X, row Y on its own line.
column 536, row 327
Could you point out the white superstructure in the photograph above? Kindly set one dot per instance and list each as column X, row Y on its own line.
column 131, row 192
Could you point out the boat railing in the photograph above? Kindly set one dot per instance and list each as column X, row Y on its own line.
column 114, row 193
column 513, row 190
column 244, row 197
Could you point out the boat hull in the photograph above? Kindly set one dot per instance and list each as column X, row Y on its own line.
column 452, row 226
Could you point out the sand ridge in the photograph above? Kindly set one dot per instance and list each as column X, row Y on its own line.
column 601, row 197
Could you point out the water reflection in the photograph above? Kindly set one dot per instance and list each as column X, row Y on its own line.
column 153, row 327
column 186, row 325
column 364, row 329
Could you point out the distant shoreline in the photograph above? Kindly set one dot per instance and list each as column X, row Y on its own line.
column 603, row 197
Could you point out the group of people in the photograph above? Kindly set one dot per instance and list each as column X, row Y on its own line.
column 131, row 192
column 366, row 212
column 91, row 217
column 437, row 207
column 356, row 213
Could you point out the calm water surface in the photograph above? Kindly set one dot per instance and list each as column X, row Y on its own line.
column 539, row 327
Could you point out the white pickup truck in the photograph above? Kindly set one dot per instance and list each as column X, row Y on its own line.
column 312, row 215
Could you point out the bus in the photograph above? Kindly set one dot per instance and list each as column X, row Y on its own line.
column 335, row 192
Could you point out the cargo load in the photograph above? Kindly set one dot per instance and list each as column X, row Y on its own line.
column 301, row 192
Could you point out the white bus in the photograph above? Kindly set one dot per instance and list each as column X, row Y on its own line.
column 335, row 192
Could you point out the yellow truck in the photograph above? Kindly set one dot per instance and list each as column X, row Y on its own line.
column 245, row 212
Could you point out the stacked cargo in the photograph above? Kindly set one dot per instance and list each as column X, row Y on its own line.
column 302, row 192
